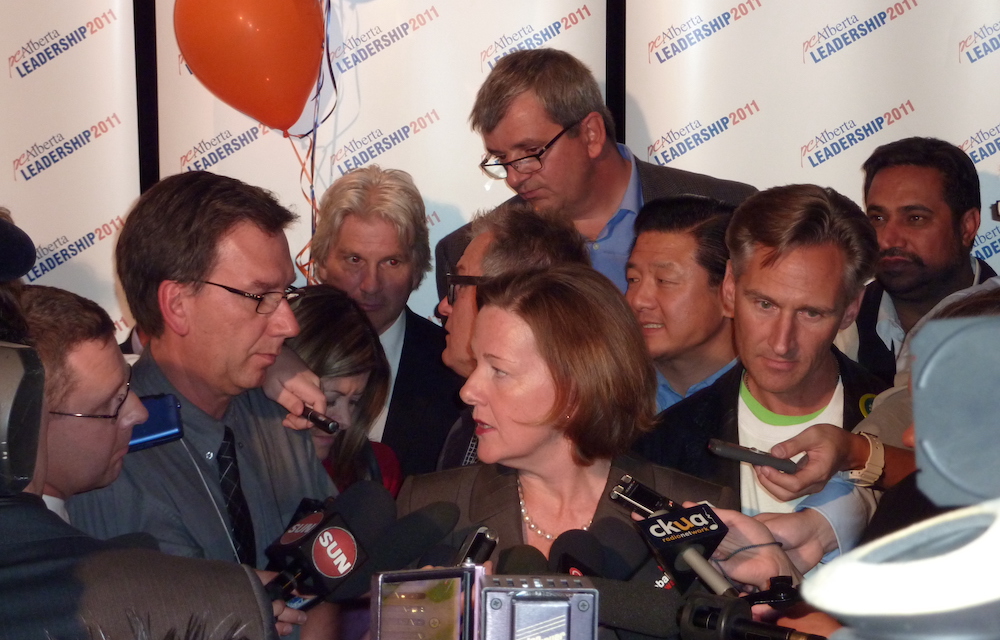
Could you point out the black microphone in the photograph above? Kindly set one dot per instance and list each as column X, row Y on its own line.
column 682, row 540
column 625, row 552
column 717, row 617
column 636, row 606
column 578, row 553
column 317, row 554
column 522, row 560
column 399, row 544
column 478, row 547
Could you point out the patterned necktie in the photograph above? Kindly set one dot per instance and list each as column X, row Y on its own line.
column 236, row 502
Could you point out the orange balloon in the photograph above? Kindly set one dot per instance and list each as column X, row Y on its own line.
column 261, row 57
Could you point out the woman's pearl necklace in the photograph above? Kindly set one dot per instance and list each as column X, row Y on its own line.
column 527, row 519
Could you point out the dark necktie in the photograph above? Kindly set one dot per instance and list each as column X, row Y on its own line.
column 236, row 502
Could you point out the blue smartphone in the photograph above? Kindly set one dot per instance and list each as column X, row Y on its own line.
column 164, row 423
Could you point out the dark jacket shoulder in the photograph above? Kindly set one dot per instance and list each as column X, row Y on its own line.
column 660, row 182
column 680, row 438
column 425, row 401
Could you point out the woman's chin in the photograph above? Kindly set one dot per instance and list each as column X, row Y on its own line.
column 323, row 443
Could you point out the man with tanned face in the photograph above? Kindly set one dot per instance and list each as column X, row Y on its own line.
column 922, row 197
column 799, row 258
column 550, row 137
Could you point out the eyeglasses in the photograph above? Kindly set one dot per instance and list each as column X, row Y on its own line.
column 527, row 164
column 454, row 282
column 113, row 416
column 267, row 302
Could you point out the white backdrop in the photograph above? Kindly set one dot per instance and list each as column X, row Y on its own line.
column 69, row 137
column 419, row 89
column 805, row 91
column 764, row 91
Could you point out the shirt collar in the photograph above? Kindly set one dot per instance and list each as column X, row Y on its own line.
column 667, row 397
column 57, row 506
column 392, row 341
column 887, row 325
column 392, row 344
column 632, row 200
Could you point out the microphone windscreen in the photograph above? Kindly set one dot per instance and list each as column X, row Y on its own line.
column 625, row 552
column 522, row 559
column 401, row 543
column 638, row 608
column 577, row 552
column 368, row 508
column 414, row 534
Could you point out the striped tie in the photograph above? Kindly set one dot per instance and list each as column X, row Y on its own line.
column 236, row 502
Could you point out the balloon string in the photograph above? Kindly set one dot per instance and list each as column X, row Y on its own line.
column 328, row 12
column 306, row 264
column 319, row 83
column 307, row 169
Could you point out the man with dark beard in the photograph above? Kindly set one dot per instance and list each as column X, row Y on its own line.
column 922, row 197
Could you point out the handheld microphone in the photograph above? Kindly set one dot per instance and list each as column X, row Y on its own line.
column 522, row 559
column 625, row 552
column 478, row 547
column 399, row 544
column 320, row 420
column 715, row 617
column 317, row 554
column 636, row 606
column 680, row 539
column 578, row 553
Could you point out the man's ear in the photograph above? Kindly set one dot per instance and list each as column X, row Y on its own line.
column 968, row 226
column 173, row 297
column 851, row 312
column 729, row 292
column 593, row 133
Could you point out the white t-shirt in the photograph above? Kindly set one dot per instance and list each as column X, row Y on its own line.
column 762, row 429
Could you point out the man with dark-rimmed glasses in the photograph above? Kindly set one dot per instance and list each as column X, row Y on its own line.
column 87, row 384
column 206, row 270
column 511, row 237
column 548, row 134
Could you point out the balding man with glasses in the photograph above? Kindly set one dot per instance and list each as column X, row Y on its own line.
column 206, row 270
column 550, row 137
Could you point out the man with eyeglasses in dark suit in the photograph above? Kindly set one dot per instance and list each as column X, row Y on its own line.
column 551, row 138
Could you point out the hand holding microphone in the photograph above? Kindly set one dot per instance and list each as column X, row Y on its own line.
column 680, row 538
column 332, row 553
